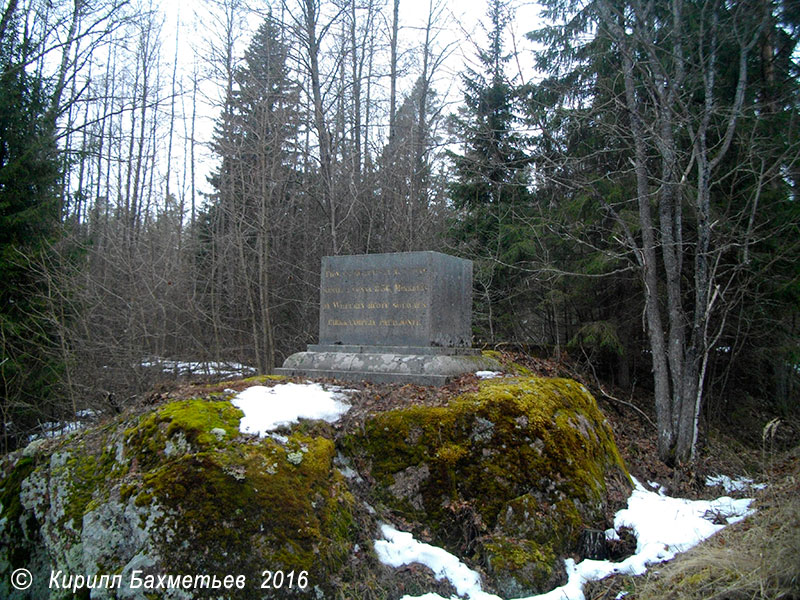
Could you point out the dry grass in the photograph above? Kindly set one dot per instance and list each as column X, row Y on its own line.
column 758, row 558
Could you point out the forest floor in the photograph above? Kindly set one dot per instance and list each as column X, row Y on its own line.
column 758, row 558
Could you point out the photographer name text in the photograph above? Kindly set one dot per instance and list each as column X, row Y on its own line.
column 138, row 580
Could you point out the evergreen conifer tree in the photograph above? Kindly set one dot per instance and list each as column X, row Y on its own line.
column 256, row 142
column 29, row 216
column 491, row 178
column 405, row 217
column 669, row 131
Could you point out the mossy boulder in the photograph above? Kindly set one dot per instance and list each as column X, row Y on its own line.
column 177, row 490
column 508, row 476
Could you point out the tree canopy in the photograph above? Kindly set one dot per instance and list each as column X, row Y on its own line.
column 662, row 121
column 631, row 207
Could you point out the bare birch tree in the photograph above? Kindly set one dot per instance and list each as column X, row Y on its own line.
column 671, row 102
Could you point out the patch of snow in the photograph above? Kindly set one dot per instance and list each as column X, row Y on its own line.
column 663, row 526
column 399, row 548
column 741, row 484
column 54, row 429
column 488, row 374
column 87, row 413
column 268, row 408
column 207, row 368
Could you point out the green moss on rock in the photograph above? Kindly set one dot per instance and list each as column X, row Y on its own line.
column 88, row 477
column 263, row 379
column 531, row 457
column 518, row 565
column 509, row 366
column 180, row 490
column 247, row 506
column 182, row 426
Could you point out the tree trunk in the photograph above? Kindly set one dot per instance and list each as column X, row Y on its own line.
column 312, row 39
column 679, row 360
column 393, row 70
column 646, row 255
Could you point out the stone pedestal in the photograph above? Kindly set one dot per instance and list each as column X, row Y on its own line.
column 393, row 317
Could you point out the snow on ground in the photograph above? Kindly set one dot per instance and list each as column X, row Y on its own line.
column 53, row 429
column 206, row 368
column 663, row 526
column 741, row 484
column 399, row 548
column 488, row 374
column 267, row 408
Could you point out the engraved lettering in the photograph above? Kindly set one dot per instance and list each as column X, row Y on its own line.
column 371, row 289
column 411, row 305
column 349, row 305
column 363, row 322
column 400, row 323
column 389, row 300
column 351, row 322
column 417, row 287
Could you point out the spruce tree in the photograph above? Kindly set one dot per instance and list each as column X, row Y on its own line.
column 405, row 217
column 490, row 179
column 29, row 216
column 256, row 142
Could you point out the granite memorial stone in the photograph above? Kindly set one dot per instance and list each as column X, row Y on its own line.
column 393, row 317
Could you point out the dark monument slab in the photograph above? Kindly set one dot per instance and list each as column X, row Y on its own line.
column 405, row 299
column 393, row 317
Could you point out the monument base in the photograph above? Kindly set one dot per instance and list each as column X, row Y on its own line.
column 387, row 364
